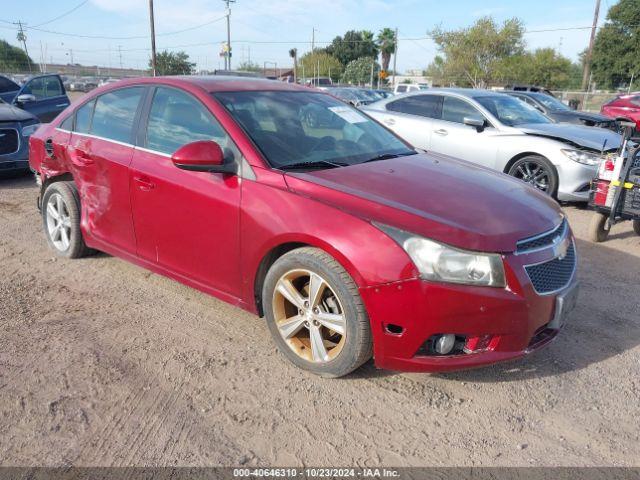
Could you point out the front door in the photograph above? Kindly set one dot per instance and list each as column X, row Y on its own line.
column 50, row 97
column 187, row 222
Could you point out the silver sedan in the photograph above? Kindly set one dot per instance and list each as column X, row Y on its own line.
column 500, row 132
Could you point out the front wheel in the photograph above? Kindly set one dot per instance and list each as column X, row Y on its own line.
column 598, row 228
column 538, row 172
column 315, row 313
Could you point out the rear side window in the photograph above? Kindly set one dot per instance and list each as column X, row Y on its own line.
column 67, row 123
column 52, row 87
column 454, row 110
column 7, row 85
column 176, row 119
column 423, row 105
column 83, row 117
column 114, row 114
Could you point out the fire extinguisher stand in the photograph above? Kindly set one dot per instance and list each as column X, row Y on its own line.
column 615, row 192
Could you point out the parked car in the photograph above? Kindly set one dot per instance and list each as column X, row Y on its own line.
column 384, row 93
column 500, row 132
column 346, row 239
column 354, row 95
column 529, row 88
column 409, row 87
column 42, row 95
column 16, row 126
column 623, row 107
column 561, row 113
column 317, row 82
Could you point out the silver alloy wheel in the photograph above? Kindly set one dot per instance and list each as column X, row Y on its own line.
column 309, row 316
column 58, row 222
column 534, row 174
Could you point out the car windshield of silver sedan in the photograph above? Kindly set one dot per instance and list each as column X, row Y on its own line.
column 310, row 130
column 511, row 111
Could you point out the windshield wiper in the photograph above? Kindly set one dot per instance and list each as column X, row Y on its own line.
column 316, row 164
column 387, row 156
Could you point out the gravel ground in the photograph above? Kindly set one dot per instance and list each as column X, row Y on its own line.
column 104, row 363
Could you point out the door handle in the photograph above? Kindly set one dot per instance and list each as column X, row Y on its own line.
column 144, row 183
column 442, row 132
column 390, row 121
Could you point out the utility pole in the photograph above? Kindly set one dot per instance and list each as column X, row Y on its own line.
column 587, row 60
column 395, row 57
column 120, row 55
column 227, row 58
column 153, row 40
column 23, row 38
column 313, row 38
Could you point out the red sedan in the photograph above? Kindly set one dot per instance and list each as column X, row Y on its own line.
column 624, row 107
column 288, row 203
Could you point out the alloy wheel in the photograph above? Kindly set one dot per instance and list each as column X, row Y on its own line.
column 534, row 174
column 309, row 316
column 58, row 222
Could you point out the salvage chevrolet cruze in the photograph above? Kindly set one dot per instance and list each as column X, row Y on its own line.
column 293, row 205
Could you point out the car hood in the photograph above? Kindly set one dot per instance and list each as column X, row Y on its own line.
column 579, row 135
column 438, row 197
column 569, row 115
column 9, row 113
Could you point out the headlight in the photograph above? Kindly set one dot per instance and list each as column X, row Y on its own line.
column 585, row 158
column 29, row 130
column 442, row 263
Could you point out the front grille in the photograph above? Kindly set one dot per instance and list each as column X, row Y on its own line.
column 553, row 275
column 9, row 141
column 543, row 240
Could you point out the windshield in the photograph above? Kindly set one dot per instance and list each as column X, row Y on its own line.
column 550, row 102
column 294, row 128
column 511, row 111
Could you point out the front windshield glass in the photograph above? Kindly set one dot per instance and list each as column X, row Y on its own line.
column 550, row 102
column 299, row 128
column 511, row 111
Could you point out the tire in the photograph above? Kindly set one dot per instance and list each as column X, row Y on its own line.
column 340, row 306
column 65, row 239
column 636, row 226
column 529, row 168
column 598, row 228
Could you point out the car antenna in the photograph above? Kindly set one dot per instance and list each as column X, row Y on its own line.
column 604, row 144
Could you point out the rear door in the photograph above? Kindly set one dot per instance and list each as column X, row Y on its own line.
column 187, row 222
column 101, row 149
column 50, row 97
column 411, row 117
column 450, row 136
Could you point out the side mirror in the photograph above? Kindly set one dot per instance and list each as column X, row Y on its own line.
column 477, row 123
column 25, row 98
column 203, row 156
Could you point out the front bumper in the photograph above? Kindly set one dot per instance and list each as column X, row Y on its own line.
column 574, row 180
column 518, row 320
column 18, row 160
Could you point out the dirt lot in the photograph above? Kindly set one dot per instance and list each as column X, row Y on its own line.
column 104, row 363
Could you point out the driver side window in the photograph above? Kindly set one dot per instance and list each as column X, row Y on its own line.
column 455, row 110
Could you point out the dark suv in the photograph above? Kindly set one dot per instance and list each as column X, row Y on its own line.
column 43, row 95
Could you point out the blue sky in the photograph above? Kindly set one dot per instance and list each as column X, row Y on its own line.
column 255, row 22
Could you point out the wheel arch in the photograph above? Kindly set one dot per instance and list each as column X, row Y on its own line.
column 522, row 155
column 284, row 245
column 61, row 177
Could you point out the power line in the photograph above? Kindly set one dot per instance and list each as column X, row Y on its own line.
column 63, row 15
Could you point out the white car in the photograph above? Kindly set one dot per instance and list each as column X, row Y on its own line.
column 500, row 132
column 409, row 87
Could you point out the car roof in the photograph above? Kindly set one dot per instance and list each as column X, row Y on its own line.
column 219, row 83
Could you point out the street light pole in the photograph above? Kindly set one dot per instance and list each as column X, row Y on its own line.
column 153, row 40
column 227, row 58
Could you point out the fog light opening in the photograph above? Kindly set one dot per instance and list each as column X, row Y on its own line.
column 444, row 344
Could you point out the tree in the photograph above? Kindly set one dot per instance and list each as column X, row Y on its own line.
column 293, row 53
column 321, row 64
column 617, row 46
column 250, row 67
column 13, row 59
column 352, row 46
column 173, row 63
column 435, row 70
column 473, row 55
column 544, row 66
column 359, row 71
column 387, row 46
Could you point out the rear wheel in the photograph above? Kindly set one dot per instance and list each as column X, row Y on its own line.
column 315, row 314
column 598, row 230
column 61, row 219
column 538, row 172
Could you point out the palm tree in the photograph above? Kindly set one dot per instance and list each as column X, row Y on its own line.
column 293, row 53
column 387, row 45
